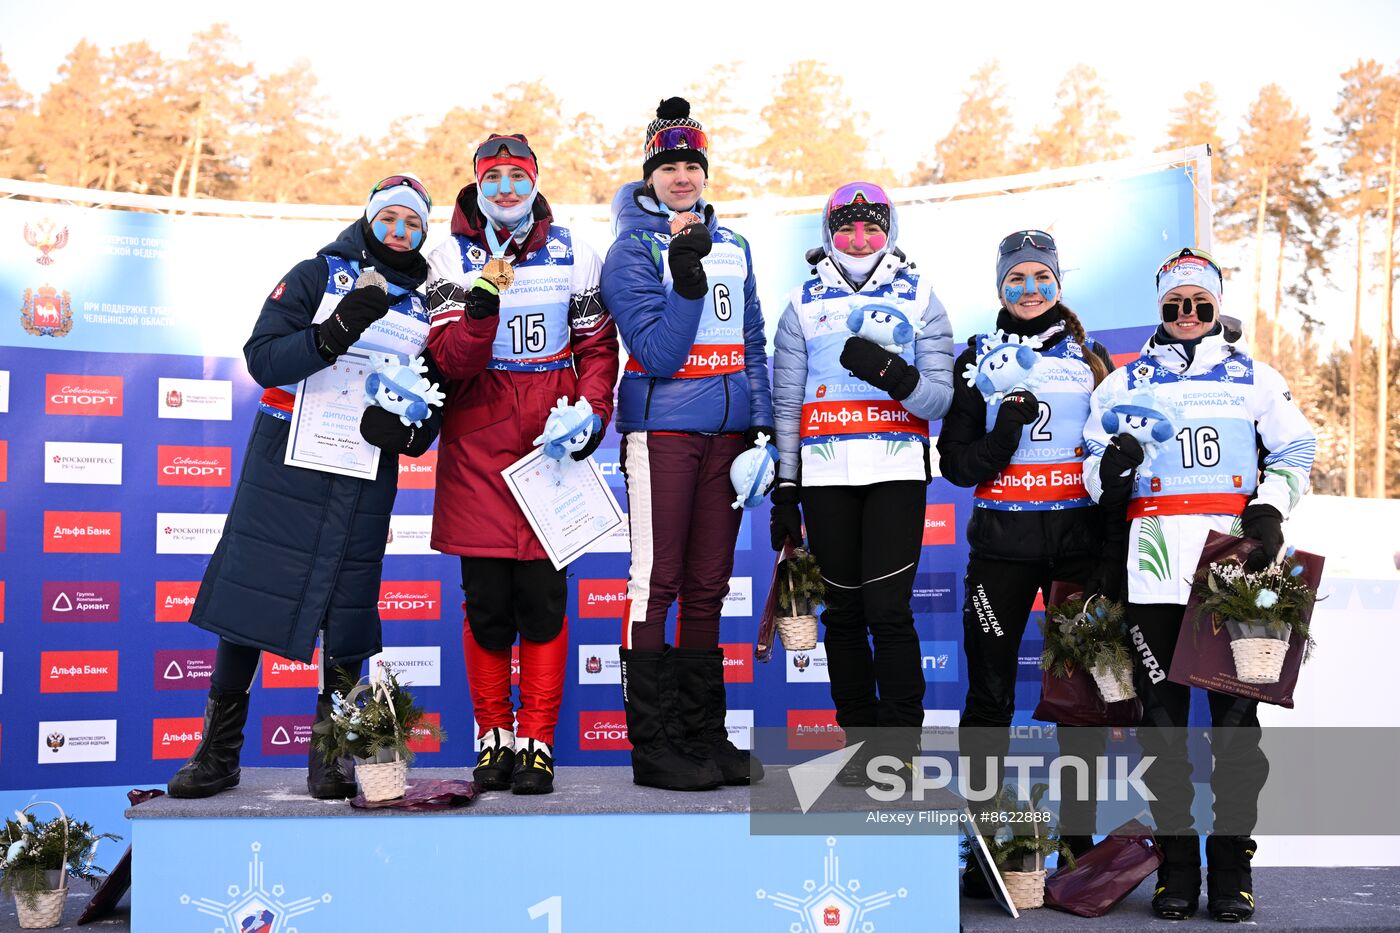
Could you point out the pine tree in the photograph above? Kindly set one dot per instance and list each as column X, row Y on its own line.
column 1194, row 121
column 14, row 103
column 816, row 139
column 729, row 126
column 1085, row 128
column 979, row 144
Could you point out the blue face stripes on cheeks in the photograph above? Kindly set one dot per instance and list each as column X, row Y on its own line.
column 521, row 187
column 381, row 230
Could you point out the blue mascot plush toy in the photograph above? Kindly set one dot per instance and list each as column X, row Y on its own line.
column 883, row 325
column 568, row 428
column 403, row 390
column 752, row 472
column 1004, row 362
column 1142, row 417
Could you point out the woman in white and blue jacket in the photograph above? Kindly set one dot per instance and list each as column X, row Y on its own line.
column 1198, row 436
column 863, row 361
column 694, row 395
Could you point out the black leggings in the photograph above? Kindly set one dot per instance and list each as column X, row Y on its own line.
column 1240, row 765
column 236, row 665
column 867, row 541
column 996, row 608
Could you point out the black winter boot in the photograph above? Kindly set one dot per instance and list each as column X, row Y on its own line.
column 495, row 763
column 328, row 781
column 534, row 768
column 1178, row 893
column 700, row 683
column 1076, row 846
column 214, row 765
column 1229, row 879
column 660, row 755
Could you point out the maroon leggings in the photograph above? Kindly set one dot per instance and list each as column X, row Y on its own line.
column 683, row 532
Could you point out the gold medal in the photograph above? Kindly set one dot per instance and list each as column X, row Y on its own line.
column 681, row 221
column 499, row 273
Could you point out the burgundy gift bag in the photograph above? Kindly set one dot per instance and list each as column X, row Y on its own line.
column 1074, row 700
column 1105, row 874
column 1202, row 657
column 768, row 621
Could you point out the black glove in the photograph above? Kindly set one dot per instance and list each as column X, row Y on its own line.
column 687, row 249
column 1262, row 523
column 1108, row 578
column 384, row 430
column 879, row 367
column 594, row 439
column 1121, row 458
column 483, row 300
column 785, row 520
column 1017, row 410
column 351, row 318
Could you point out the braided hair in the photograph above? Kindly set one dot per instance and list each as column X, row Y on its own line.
column 1076, row 329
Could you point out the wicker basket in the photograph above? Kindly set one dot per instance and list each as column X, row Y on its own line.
column 1258, row 660
column 1110, row 687
column 799, row 633
column 1027, row 888
column 43, row 910
column 386, row 780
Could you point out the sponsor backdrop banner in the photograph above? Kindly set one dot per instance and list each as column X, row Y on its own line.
column 125, row 409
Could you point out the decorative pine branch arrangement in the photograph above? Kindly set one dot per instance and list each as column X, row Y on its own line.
column 1091, row 636
column 1260, row 611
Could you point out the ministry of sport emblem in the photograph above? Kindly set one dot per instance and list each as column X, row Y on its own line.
column 46, row 312
column 45, row 236
column 55, row 741
column 801, row 661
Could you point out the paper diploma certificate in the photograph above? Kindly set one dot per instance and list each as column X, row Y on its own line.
column 325, row 432
column 572, row 510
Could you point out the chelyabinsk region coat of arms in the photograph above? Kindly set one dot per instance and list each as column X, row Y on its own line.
column 46, row 312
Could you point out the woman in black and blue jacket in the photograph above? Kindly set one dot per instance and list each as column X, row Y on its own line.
column 694, row 394
column 302, row 553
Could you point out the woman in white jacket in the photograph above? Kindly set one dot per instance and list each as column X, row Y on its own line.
column 862, row 363
column 1201, row 438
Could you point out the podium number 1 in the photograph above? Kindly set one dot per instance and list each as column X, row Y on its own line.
column 551, row 907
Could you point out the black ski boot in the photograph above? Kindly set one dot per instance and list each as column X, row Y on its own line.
column 699, row 676
column 326, row 781
column 534, row 769
column 214, row 765
column 495, row 763
column 1229, row 879
column 660, row 755
column 853, row 772
column 1178, row 893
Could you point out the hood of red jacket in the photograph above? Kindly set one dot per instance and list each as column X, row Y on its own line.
column 468, row 221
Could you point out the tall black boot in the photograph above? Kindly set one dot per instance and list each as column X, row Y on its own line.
column 660, row 757
column 700, row 684
column 328, row 781
column 1178, row 893
column 214, row 765
column 1229, row 879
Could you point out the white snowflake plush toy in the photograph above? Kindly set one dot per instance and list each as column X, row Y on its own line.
column 568, row 429
column 752, row 472
column 403, row 390
column 1004, row 362
column 883, row 325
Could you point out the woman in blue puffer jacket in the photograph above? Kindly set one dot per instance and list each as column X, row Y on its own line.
column 862, row 363
column 694, row 395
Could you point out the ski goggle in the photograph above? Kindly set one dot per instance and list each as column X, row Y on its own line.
column 515, row 145
column 1037, row 238
column 1187, row 252
column 679, row 137
column 1171, row 310
column 393, row 181
column 855, row 193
